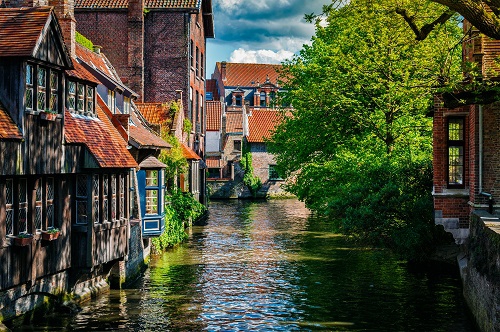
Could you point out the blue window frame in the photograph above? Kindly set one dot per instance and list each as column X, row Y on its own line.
column 152, row 197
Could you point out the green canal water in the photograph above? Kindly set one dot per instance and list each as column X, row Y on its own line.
column 271, row 266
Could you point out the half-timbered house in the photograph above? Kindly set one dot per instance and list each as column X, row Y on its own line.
column 65, row 168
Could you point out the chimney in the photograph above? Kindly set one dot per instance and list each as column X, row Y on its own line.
column 223, row 70
column 135, row 36
column 65, row 13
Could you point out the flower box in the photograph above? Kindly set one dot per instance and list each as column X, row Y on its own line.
column 50, row 235
column 47, row 116
column 23, row 240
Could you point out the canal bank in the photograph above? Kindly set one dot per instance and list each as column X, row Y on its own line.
column 480, row 270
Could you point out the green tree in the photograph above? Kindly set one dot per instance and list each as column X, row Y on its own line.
column 358, row 142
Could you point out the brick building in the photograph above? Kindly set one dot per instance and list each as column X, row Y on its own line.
column 466, row 161
column 245, row 113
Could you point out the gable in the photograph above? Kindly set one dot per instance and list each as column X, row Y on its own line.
column 51, row 47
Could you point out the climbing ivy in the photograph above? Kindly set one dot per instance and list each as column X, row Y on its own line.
column 249, row 179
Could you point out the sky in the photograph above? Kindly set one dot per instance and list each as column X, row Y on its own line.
column 259, row 31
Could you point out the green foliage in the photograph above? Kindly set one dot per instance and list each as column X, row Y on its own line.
column 181, row 211
column 82, row 40
column 249, row 179
column 187, row 126
column 173, row 158
column 357, row 142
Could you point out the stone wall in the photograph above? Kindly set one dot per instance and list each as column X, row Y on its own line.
column 480, row 271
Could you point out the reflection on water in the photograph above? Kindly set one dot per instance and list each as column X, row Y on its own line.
column 270, row 266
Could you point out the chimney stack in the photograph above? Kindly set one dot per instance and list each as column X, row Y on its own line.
column 223, row 70
column 65, row 13
column 135, row 33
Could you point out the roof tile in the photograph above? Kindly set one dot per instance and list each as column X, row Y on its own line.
column 170, row 4
column 249, row 74
column 214, row 109
column 261, row 124
column 189, row 153
column 154, row 113
column 20, row 29
column 100, row 137
column 234, row 122
column 8, row 128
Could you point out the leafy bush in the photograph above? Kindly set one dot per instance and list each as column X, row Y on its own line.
column 181, row 211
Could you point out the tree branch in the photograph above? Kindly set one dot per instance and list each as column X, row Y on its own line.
column 422, row 33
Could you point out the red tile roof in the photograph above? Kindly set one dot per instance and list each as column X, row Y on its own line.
column 100, row 137
column 214, row 109
column 93, row 59
column 8, row 128
column 154, row 113
column 234, row 122
column 261, row 123
column 21, row 29
column 81, row 73
column 146, row 139
column 189, row 153
column 152, row 162
column 170, row 4
column 249, row 74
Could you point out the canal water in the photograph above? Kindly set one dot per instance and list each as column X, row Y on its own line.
column 271, row 266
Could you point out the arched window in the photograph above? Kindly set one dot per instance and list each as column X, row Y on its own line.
column 237, row 101
column 262, row 99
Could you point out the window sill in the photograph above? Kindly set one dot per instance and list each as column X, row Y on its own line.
column 452, row 193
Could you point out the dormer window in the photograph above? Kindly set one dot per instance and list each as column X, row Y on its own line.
column 42, row 89
column 81, row 98
column 237, row 100
column 262, row 99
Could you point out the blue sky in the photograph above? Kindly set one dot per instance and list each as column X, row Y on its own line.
column 259, row 31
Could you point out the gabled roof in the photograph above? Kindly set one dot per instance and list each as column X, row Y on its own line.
column 98, row 66
column 189, row 153
column 81, row 73
column 152, row 162
column 8, row 128
column 154, row 113
column 214, row 109
column 261, row 124
column 142, row 138
column 234, row 122
column 100, row 137
column 23, row 29
column 248, row 74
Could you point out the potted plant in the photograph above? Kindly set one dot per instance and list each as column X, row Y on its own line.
column 48, row 115
column 51, row 234
column 23, row 239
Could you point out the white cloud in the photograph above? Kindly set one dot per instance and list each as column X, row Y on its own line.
column 259, row 56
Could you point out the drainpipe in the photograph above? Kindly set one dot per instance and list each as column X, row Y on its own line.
column 480, row 164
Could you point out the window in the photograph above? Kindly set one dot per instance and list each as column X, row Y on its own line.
column 272, row 98
column 41, row 89
column 44, row 204
column 273, row 173
column 237, row 100
column 262, row 99
column 95, row 198
column 22, row 222
column 456, row 162
column 28, row 99
column 197, row 61
column 237, row 145
column 196, row 119
column 90, row 99
column 113, row 197
column 191, row 53
column 201, row 65
column 121, row 191
column 126, row 105
column 81, row 199
column 105, row 198
column 152, row 190
column 111, row 101
column 80, row 97
column 9, row 206
column 71, row 95
column 54, row 92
